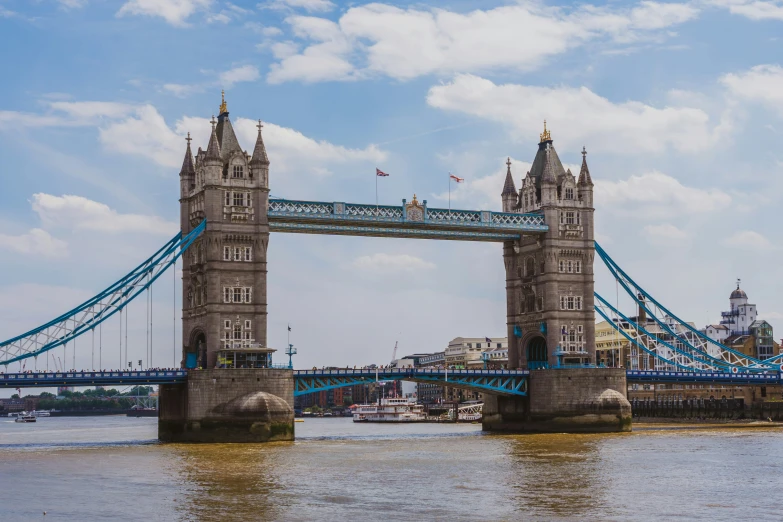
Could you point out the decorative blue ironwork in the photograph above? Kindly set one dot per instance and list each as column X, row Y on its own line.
column 679, row 343
column 716, row 377
column 36, row 379
column 413, row 220
column 498, row 382
column 94, row 311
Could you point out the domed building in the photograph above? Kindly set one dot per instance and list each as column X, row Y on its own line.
column 741, row 330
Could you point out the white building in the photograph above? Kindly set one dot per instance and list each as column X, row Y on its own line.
column 465, row 352
column 737, row 320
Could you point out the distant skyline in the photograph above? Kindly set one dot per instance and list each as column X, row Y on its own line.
column 679, row 106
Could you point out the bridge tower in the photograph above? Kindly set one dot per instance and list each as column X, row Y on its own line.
column 224, row 271
column 549, row 277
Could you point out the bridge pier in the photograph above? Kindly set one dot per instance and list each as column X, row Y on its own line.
column 228, row 405
column 578, row 400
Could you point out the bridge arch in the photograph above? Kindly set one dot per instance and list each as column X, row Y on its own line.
column 196, row 349
column 535, row 349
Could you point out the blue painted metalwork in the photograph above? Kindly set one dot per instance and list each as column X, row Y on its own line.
column 316, row 217
column 716, row 377
column 99, row 308
column 728, row 357
column 46, row 380
column 499, row 382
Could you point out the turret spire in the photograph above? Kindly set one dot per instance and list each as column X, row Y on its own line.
column 546, row 135
column 213, row 149
column 549, row 172
column 508, row 187
column 223, row 106
column 259, row 152
column 584, row 173
column 187, row 163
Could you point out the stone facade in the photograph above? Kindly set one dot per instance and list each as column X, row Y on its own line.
column 224, row 271
column 564, row 401
column 228, row 405
column 549, row 277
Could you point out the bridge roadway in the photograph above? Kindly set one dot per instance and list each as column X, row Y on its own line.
column 500, row 382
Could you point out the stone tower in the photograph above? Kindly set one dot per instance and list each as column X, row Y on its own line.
column 549, row 277
column 224, row 270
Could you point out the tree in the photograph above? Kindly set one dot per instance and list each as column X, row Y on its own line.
column 15, row 396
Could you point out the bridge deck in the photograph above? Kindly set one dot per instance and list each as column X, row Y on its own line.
column 318, row 217
column 45, row 380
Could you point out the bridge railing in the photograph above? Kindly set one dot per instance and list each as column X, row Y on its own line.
column 59, row 376
column 386, row 214
column 410, row 371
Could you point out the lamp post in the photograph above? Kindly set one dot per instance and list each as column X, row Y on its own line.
column 290, row 351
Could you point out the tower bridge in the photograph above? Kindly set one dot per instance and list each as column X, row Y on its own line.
column 228, row 390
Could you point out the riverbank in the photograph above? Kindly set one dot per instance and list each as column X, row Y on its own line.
column 650, row 424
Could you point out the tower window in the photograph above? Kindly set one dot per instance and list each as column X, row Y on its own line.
column 239, row 171
column 570, row 219
column 248, row 253
column 226, row 253
column 569, row 193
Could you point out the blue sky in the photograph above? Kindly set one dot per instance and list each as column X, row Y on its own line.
column 680, row 106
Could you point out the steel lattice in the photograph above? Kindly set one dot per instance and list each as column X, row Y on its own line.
column 94, row 311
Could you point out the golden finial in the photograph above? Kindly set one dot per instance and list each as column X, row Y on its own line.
column 545, row 136
column 415, row 201
column 223, row 107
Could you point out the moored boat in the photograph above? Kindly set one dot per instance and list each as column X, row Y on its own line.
column 25, row 417
column 390, row 410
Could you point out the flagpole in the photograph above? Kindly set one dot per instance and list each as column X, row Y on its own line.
column 376, row 193
column 449, row 193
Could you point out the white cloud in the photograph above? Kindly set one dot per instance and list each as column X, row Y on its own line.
column 406, row 43
column 76, row 212
column 753, row 9
column 72, row 4
column 36, row 242
column 762, row 83
column 245, row 73
column 180, row 90
column 771, row 316
column 384, row 263
column 655, row 194
column 643, row 127
column 665, row 234
column 175, row 12
column 145, row 134
column 747, row 239
column 307, row 5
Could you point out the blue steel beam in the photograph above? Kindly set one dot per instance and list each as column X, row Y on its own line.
column 319, row 217
column 48, row 380
column 750, row 379
column 499, row 382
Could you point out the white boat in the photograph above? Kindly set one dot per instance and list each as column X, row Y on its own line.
column 390, row 410
column 25, row 417
column 41, row 413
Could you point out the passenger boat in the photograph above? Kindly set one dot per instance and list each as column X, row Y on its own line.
column 42, row 414
column 25, row 417
column 390, row 410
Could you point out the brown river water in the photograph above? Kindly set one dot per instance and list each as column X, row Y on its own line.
column 112, row 468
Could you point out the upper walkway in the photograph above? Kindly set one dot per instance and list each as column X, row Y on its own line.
column 409, row 220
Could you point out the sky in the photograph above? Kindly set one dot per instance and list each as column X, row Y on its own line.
column 679, row 106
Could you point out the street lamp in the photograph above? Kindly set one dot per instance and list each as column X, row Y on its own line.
column 290, row 352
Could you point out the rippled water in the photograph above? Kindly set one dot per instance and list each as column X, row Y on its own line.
column 101, row 468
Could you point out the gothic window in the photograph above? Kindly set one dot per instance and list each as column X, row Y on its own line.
column 530, row 267
column 248, row 253
column 540, row 303
column 240, row 294
column 569, row 266
column 227, row 324
column 561, row 266
column 577, row 267
column 526, row 200
column 530, row 302
column 562, row 302
column 238, row 171
column 570, row 219
column 572, row 335
column 226, row 295
column 237, row 253
column 239, row 199
column 237, row 331
column 569, row 303
column 226, row 253
column 578, row 303
column 228, row 199
column 247, row 324
column 569, row 193
column 578, row 220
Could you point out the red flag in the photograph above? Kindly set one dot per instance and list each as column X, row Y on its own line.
column 455, row 178
column 379, row 172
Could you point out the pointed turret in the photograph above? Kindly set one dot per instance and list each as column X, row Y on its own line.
column 509, row 194
column 259, row 152
column 213, row 149
column 548, row 176
column 584, row 173
column 226, row 136
column 187, row 164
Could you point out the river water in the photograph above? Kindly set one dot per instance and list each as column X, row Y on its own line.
column 112, row 468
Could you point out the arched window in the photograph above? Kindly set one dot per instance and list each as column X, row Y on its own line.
column 530, row 267
column 239, row 171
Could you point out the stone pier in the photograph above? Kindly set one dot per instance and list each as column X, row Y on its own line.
column 228, row 405
column 580, row 400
